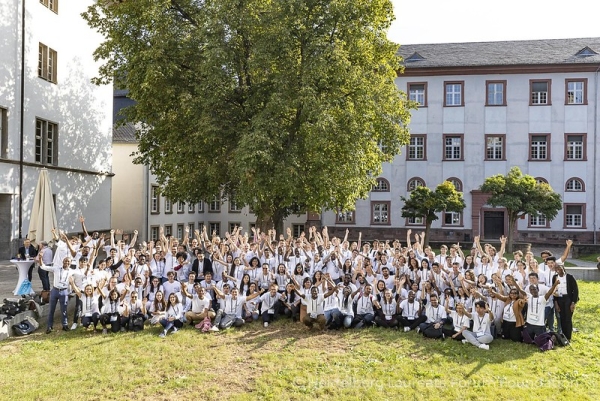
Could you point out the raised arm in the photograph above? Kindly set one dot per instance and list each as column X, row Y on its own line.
column 565, row 254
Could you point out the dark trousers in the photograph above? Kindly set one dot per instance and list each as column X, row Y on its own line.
column 115, row 324
column 78, row 308
column 87, row 320
column 62, row 298
column 44, row 278
column 566, row 316
column 361, row 320
column 510, row 331
column 450, row 333
column 381, row 321
column 294, row 312
column 412, row 323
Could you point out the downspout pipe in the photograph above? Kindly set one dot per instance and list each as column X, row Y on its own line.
column 22, row 120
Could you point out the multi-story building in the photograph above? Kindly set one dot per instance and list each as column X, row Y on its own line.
column 483, row 108
column 139, row 205
column 51, row 116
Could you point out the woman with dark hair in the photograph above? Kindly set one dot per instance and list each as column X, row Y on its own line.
column 251, row 312
column 347, row 266
column 424, row 272
column 290, row 303
column 317, row 279
column 281, row 278
column 468, row 264
column 512, row 318
column 346, row 307
column 174, row 316
column 306, row 286
column 299, row 273
column 158, row 308
column 413, row 270
column 386, row 314
column 245, row 283
column 113, row 312
column 151, row 289
column 252, row 269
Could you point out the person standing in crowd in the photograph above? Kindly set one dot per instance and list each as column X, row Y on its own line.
column 44, row 257
column 27, row 252
column 59, row 293
column 566, row 297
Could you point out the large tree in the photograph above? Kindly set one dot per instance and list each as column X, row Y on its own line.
column 425, row 203
column 288, row 104
column 521, row 195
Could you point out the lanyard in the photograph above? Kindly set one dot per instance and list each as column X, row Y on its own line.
column 88, row 304
column 315, row 304
column 113, row 307
column 480, row 321
column 233, row 309
column 60, row 276
column 536, row 304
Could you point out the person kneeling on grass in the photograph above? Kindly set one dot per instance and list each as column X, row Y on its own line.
column 481, row 335
column 174, row 317
column 314, row 306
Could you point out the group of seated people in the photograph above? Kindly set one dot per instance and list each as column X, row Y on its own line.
column 324, row 283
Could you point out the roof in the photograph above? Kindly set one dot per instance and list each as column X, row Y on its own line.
column 124, row 133
column 526, row 52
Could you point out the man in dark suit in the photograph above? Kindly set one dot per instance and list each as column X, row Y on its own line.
column 566, row 297
column 28, row 251
column 201, row 265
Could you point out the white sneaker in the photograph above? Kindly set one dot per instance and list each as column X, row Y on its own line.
column 104, row 331
column 175, row 329
column 484, row 346
column 74, row 326
column 406, row 329
column 162, row 335
column 266, row 324
column 214, row 328
column 418, row 330
column 464, row 341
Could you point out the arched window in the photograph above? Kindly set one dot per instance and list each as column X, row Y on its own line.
column 414, row 183
column 574, row 185
column 382, row 185
column 457, row 183
column 540, row 180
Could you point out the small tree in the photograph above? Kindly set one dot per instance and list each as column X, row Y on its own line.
column 521, row 195
column 425, row 203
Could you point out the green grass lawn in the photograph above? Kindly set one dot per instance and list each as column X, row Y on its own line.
column 285, row 362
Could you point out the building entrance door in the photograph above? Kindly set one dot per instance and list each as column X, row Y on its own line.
column 493, row 224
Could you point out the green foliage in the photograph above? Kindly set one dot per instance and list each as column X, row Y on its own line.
column 521, row 195
column 423, row 202
column 287, row 103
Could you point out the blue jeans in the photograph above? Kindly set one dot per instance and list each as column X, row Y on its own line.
column 348, row 321
column 332, row 316
column 61, row 297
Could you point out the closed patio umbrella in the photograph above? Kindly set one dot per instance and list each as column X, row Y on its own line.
column 43, row 215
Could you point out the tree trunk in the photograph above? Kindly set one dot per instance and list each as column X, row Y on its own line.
column 427, row 228
column 511, row 228
column 266, row 221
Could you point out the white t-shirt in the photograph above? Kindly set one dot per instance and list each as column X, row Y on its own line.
column 536, row 310
column 410, row 310
column 459, row 322
column 314, row 307
column 481, row 325
column 199, row 305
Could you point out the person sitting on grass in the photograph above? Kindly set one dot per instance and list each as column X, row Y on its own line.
column 201, row 305
column 158, row 308
column 231, row 309
column 314, row 306
column 114, row 311
column 481, row 335
column 90, row 312
column 174, row 316
column 137, row 313
column 387, row 314
column 460, row 321
column 410, row 312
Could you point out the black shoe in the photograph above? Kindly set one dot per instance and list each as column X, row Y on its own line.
column 49, row 330
column 66, row 328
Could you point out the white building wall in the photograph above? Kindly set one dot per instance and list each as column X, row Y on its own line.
column 82, row 111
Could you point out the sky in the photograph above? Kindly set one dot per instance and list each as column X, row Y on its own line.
column 443, row 21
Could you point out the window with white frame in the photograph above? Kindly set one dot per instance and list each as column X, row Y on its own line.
column 46, row 142
column 214, row 228
column 51, row 4
column 179, row 231
column 575, row 147
column 215, row 204
column 573, row 216
column 453, row 147
column 575, row 92
column 168, row 230
column 457, row 183
column 154, row 233
column 154, row 199
column 191, row 227
column 538, row 147
column 496, row 93
column 382, row 185
column 47, row 63
column 453, row 93
column 201, row 207
column 494, row 147
column 381, row 212
column 540, row 180
column 168, row 206
column 452, row 219
column 540, row 92
column 414, row 183
column 191, row 207
column 297, row 230
column 180, row 207
column 344, row 217
column 537, row 221
column 417, row 221
column 417, row 93
column 416, row 147
column 233, row 226
column 574, row 185
column 234, row 206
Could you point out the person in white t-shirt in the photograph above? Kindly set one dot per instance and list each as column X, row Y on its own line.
column 201, row 305
column 174, row 316
column 481, row 335
column 536, row 305
column 314, row 306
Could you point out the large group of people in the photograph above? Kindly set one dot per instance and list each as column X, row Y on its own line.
column 213, row 283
